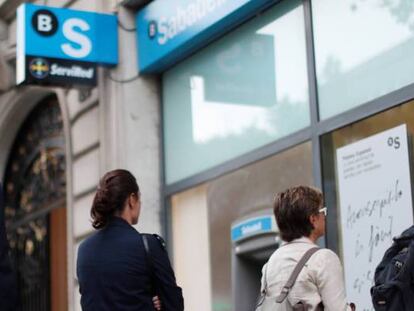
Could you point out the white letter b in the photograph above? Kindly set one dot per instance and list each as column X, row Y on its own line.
column 44, row 23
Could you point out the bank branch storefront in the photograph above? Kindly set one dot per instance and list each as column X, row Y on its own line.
column 262, row 95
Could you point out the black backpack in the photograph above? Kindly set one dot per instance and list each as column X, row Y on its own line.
column 394, row 281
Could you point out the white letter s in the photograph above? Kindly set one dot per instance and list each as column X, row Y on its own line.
column 76, row 37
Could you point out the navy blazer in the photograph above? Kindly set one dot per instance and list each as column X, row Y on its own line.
column 8, row 286
column 114, row 273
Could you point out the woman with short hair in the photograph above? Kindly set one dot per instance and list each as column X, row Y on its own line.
column 300, row 216
column 118, row 268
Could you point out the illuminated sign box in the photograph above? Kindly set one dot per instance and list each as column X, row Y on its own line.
column 168, row 31
column 252, row 227
column 62, row 46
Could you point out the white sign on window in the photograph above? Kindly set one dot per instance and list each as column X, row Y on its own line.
column 375, row 204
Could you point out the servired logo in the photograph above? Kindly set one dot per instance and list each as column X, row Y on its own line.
column 39, row 68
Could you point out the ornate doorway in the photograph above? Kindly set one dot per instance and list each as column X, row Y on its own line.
column 35, row 192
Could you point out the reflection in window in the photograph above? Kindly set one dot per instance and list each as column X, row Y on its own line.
column 363, row 51
column 237, row 194
column 240, row 93
column 289, row 62
column 218, row 120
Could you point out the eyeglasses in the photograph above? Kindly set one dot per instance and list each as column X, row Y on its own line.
column 324, row 210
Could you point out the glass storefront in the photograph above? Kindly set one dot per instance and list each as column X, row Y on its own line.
column 250, row 89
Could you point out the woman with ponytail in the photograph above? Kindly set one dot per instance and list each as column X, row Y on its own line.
column 118, row 268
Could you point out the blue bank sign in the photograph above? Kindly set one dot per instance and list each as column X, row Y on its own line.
column 46, row 35
column 252, row 227
column 169, row 30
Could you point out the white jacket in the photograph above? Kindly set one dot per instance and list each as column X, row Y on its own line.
column 321, row 279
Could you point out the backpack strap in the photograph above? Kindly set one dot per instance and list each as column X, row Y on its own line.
column 292, row 279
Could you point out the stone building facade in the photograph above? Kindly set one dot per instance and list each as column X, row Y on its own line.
column 112, row 125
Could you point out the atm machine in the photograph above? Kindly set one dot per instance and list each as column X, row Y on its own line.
column 254, row 238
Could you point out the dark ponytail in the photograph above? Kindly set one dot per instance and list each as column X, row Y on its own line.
column 113, row 190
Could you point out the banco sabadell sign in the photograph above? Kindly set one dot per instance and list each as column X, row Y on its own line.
column 169, row 30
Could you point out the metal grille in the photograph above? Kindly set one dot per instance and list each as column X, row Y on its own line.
column 34, row 185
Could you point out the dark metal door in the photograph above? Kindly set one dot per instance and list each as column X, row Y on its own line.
column 34, row 186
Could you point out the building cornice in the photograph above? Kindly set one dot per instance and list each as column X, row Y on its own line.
column 8, row 9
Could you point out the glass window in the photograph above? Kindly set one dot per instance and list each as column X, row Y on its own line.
column 191, row 247
column 242, row 192
column 363, row 51
column 240, row 93
column 361, row 205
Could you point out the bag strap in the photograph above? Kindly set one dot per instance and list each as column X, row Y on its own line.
column 148, row 257
column 292, row 279
column 264, row 291
column 265, row 280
